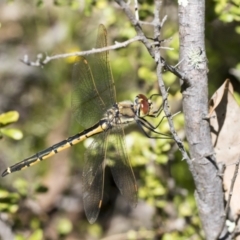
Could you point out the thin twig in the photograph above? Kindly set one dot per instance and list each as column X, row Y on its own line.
column 136, row 9
column 157, row 27
column 125, row 7
column 231, row 187
column 227, row 207
column 146, row 23
column 163, row 20
column 40, row 62
column 153, row 22
column 162, row 85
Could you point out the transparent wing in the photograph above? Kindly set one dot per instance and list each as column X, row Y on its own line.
column 93, row 176
column 120, row 166
column 102, row 71
column 87, row 106
column 93, row 85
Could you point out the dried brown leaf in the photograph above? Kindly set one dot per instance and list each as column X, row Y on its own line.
column 224, row 116
column 218, row 95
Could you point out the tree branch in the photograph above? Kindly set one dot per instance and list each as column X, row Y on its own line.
column 209, row 192
column 42, row 62
column 162, row 87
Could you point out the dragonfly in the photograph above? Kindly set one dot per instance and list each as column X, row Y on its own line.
column 94, row 104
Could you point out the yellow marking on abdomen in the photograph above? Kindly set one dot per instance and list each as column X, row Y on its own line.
column 30, row 161
column 69, row 144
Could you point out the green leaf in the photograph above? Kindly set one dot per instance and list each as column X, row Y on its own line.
column 35, row 223
column 37, row 235
column 64, row 226
column 21, row 185
column 13, row 208
column 19, row 237
column 9, row 117
column 8, row 197
column 162, row 158
column 159, row 191
column 146, row 73
column 95, row 230
column 4, row 193
column 39, row 3
column 13, row 133
column 10, row 208
column 41, row 188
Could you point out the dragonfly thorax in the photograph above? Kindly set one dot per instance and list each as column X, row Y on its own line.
column 120, row 113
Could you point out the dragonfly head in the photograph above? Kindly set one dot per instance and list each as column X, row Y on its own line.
column 143, row 105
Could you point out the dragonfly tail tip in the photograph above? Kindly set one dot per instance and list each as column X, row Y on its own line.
column 6, row 172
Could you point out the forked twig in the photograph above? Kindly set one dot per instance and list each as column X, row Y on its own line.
column 41, row 62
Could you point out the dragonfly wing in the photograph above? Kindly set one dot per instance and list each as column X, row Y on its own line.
column 121, row 168
column 93, row 176
column 93, row 87
column 87, row 106
column 102, row 70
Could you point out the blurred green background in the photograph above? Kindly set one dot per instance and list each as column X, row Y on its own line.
column 45, row 201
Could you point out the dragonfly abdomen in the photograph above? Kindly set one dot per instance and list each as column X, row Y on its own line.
column 101, row 126
column 39, row 157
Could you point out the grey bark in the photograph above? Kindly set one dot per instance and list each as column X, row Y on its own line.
column 209, row 192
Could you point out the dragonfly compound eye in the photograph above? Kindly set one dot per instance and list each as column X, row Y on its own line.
column 144, row 105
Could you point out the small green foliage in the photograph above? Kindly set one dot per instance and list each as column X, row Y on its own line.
column 39, row 3
column 228, row 11
column 13, row 133
column 9, row 117
column 75, row 4
column 6, row 119
column 21, row 185
column 142, row 233
column 170, row 236
column 19, row 237
column 95, row 230
column 237, row 97
column 40, row 188
column 170, row 78
column 8, row 201
column 146, row 73
column 37, row 235
column 151, row 188
column 145, row 10
column 64, row 226
column 60, row 2
column 237, row 29
column 161, row 158
column 35, row 223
